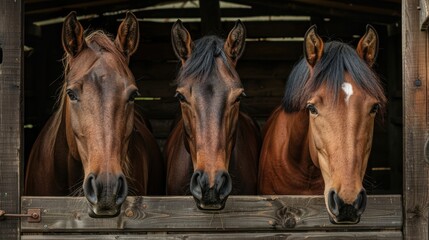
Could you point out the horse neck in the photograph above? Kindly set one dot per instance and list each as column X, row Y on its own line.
column 297, row 150
column 298, row 147
column 243, row 165
column 138, row 156
column 68, row 134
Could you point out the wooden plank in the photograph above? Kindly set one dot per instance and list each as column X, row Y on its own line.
column 424, row 14
column 54, row 9
column 10, row 115
column 241, row 213
column 415, row 87
column 388, row 235
column 194, row 13
column 296, row 8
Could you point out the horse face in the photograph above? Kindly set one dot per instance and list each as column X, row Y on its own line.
column 210, row 115
column 210, row 107
column 101, row 91
column 341, row 128
column 340, row 138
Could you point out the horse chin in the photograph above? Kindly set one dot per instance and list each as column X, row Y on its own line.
column 95, row 212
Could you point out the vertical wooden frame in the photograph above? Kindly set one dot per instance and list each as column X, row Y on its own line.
column 10, row 115
column 416, row 122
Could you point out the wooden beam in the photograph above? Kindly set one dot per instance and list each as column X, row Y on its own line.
column 385, row 13
column 195, row 13
column 210, row 17
column 424, row 14
column 55, row 9
column 323, row 11
column 359, row 8
column 179, row 214
column 151, row 31
column 387, row 235
column 416, row 122
column 11, row 150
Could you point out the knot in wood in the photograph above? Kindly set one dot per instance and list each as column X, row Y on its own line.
column 287, row 216
column 129, row 213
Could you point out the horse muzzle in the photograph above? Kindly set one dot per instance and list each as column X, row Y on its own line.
column 105, row 194
column 210, row 198
column 344, row 213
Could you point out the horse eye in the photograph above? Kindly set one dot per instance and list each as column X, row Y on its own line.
column 133, row 96
column 239, row 97
column 180, row 97
column 375, row 108
column 312, row 109
column 72, row 95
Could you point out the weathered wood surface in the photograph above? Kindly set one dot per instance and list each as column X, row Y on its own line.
column 388, row 235
column 179, row 214
column 424, row 14
column 416, row 122
column 10, row 114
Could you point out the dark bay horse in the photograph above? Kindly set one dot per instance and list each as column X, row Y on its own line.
column 320, row 139
column 96, row 135
column 213, row 150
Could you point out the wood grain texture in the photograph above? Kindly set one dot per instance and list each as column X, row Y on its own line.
column 388, row 235
column 179, row 214
column 416, row 122
column 424, row 15
column 10, row 114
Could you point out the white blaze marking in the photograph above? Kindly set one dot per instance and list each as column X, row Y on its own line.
column 348, row 90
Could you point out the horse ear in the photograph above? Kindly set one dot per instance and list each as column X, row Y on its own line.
column 234, row 44
column 181, row 41
column 127, row 38
column 313, row 46
column 367, row 47
column 72, row 35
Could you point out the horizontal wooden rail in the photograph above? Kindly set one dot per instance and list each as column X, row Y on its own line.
column 388, row 235
column 179, row 214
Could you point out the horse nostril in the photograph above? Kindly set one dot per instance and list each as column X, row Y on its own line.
column 90, row 189
column 360, row 202
column 122, row 190
column 196, row 185
column 223, row 184
column 334, row 202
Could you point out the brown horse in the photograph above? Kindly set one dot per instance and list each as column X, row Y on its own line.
column 319, row 140
column 213, row 151
column 96, row 135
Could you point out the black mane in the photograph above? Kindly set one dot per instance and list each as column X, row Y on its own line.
column 338, row 58
column 202, row 62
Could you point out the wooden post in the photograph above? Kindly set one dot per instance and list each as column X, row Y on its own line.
column 416, row 122
column 10, row 115
column 210, row 17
